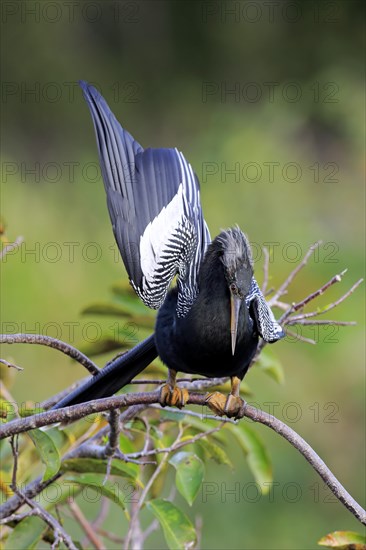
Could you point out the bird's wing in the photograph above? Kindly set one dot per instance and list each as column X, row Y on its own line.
column 267, row 325
column 154, row 205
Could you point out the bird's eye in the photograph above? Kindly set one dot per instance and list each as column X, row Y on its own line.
column 233, row 287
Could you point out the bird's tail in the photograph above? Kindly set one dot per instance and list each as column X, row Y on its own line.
column 114, row 376
column 117, row 148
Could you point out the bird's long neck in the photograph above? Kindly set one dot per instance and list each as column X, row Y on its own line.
column 213, row 300
column 210, row 316
column 211, row 277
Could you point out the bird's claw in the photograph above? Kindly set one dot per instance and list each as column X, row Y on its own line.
column 232, row 406
column 174, row 397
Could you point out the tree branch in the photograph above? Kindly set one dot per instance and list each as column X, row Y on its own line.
column 37, row 510
column 134, row 518
column 189, row 383
column 52, row 343
column 335, row 279
column 283, row 288
column 136, row 402
column 35, row 487
column 85, row 525
column 311, row 457
column 78, row 411
column 10, row 365
column 330, row 306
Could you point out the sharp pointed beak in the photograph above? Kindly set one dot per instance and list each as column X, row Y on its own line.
column 235, row 303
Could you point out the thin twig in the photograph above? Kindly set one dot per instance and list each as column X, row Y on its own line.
column 176, row 446
column 77, row 411
column 52, row 343
column 300, row 337
column 188, row 412
column 113, row 439
column 140, row 401
column 85, row 525
column 293, row 273
column 204, row 383
column 110, row 536
column 14, row 444
column 16, row 518
column 10, row 365
column 102, row 513
column 147, row 443
column 36, row 510
column 58, row 531
column 36, row 486
column 33, row 489
column 98, row 451
column 330, row 306
column 281, row 305
column 150, row 529
column 133, row 539
column 145, row 492
column 198, row 528
column 311, row 456
column 320, row 322
column 299, row 305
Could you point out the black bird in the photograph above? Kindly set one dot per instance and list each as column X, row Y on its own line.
column 209, row 323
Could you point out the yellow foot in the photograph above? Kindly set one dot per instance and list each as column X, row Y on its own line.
column 174, row 397
column 231, row 406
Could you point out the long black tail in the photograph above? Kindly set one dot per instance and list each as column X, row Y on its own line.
column 114, row 376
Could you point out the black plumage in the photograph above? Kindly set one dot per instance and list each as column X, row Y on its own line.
column 209, row 323
column 201, row 341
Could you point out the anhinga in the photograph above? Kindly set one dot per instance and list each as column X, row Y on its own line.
column 209, row 323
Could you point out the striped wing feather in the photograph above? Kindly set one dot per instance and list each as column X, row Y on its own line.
column 154, row 205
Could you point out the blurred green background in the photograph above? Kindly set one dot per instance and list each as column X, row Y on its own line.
column 266, row 100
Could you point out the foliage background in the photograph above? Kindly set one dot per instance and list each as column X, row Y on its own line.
column 153, row 61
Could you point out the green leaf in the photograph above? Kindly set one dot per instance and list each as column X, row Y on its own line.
column 178, row 530
column 142, row 319
column 344, row 540
column 104, row 308
column 190, row 472
column 26, row 534
column 256, row 454
column 104, row 344
column 215, row 452
column 123, row 289
column 8, row 411
column 99, row 466
column 28, row 411
column 47, row 451
column 126, row 446
column 102, row 486
column 129, row 300
column 271, row 366
column 201, row 425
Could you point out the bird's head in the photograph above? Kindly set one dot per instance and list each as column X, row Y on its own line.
column 236, row 257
